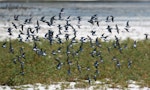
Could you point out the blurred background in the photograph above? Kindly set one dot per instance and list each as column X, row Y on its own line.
column 73, row 0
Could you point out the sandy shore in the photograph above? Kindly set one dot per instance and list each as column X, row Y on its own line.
column 71, row 86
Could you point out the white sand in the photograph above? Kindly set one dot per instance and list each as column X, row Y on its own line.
column 71, row 86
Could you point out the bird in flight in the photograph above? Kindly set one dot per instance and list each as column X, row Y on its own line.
column 60, row 13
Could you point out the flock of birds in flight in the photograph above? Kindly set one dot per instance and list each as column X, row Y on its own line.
column 30, row 34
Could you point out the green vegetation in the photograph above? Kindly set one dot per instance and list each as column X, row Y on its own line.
column 42, row 69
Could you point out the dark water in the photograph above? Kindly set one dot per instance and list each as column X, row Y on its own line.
column 127, row 9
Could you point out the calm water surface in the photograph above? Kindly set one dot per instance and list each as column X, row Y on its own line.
column 135, row 11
